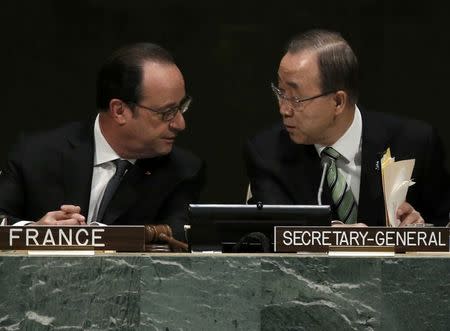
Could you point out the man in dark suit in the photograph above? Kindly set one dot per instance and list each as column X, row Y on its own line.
column 321, row 124
column 65, row 177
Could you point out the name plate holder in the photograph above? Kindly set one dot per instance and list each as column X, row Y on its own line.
column 295, row 239
column 74, row 238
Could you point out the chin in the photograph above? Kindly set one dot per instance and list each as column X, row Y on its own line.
column 164, row 150
column 161, row 148
column 299, row 139
column 148, row 154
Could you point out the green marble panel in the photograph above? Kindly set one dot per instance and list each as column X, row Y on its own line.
column 416, row 293
column 77, row 293
column 201, row 293
column 321, row 293
column 224, row 292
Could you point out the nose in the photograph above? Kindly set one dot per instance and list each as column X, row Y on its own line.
column 285, row 108
column 178, row 123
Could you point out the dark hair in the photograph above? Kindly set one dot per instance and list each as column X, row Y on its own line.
column 338, row 64
column 121, row 75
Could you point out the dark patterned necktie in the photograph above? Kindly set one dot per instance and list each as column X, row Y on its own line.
column 343, row 199
column 121, row 168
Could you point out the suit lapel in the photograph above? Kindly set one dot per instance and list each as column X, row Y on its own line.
column 301, row 171
column 375, row 140
column 125, row 195
column 147, row 178
column 148, row 181
column 78, row 161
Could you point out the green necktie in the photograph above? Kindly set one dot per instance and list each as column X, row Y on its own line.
column 342, row 195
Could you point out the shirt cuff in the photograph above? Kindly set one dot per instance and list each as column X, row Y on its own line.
column 22, row 223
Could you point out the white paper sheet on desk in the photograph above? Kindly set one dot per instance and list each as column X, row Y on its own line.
column 396, row 181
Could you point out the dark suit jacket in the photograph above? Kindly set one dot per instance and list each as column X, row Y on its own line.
column 282, row 172
column 54, row 168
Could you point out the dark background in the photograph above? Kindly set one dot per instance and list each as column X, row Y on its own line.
column 229, row 53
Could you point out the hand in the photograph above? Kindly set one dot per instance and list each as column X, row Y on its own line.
column 408, row 215
column 67, row 215
column 335, row 223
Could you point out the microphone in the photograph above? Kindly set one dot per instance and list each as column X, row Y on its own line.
column 163, row 232
column 325, row 162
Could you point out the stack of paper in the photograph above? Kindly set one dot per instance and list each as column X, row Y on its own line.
column 396, row 178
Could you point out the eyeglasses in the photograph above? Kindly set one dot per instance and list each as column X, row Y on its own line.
column 295, row 102
column 168, row 114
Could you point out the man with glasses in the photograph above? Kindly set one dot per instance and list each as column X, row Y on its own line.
column 317, row 92
column 121, row 167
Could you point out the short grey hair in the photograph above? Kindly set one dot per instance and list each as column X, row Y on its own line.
column 337, row 62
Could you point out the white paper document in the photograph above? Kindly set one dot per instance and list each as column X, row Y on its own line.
column 396, row 178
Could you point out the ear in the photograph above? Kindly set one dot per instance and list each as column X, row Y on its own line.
column 118, row 111
column 340, row 100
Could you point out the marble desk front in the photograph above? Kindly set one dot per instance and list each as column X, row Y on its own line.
column 224, row 292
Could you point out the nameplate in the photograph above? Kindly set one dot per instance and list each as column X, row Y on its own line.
column 117, row 238
column 321, row 239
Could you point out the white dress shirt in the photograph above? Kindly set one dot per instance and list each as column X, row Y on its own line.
column 349, row 146
column 103, row 170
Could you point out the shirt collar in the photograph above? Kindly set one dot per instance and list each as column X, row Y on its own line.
column 103, row 150
column 348, row 144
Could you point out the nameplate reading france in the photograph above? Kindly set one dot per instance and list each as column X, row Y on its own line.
column 119, row 238
column 320, row 239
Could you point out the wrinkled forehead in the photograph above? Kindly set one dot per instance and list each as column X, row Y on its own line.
column 297, row 69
